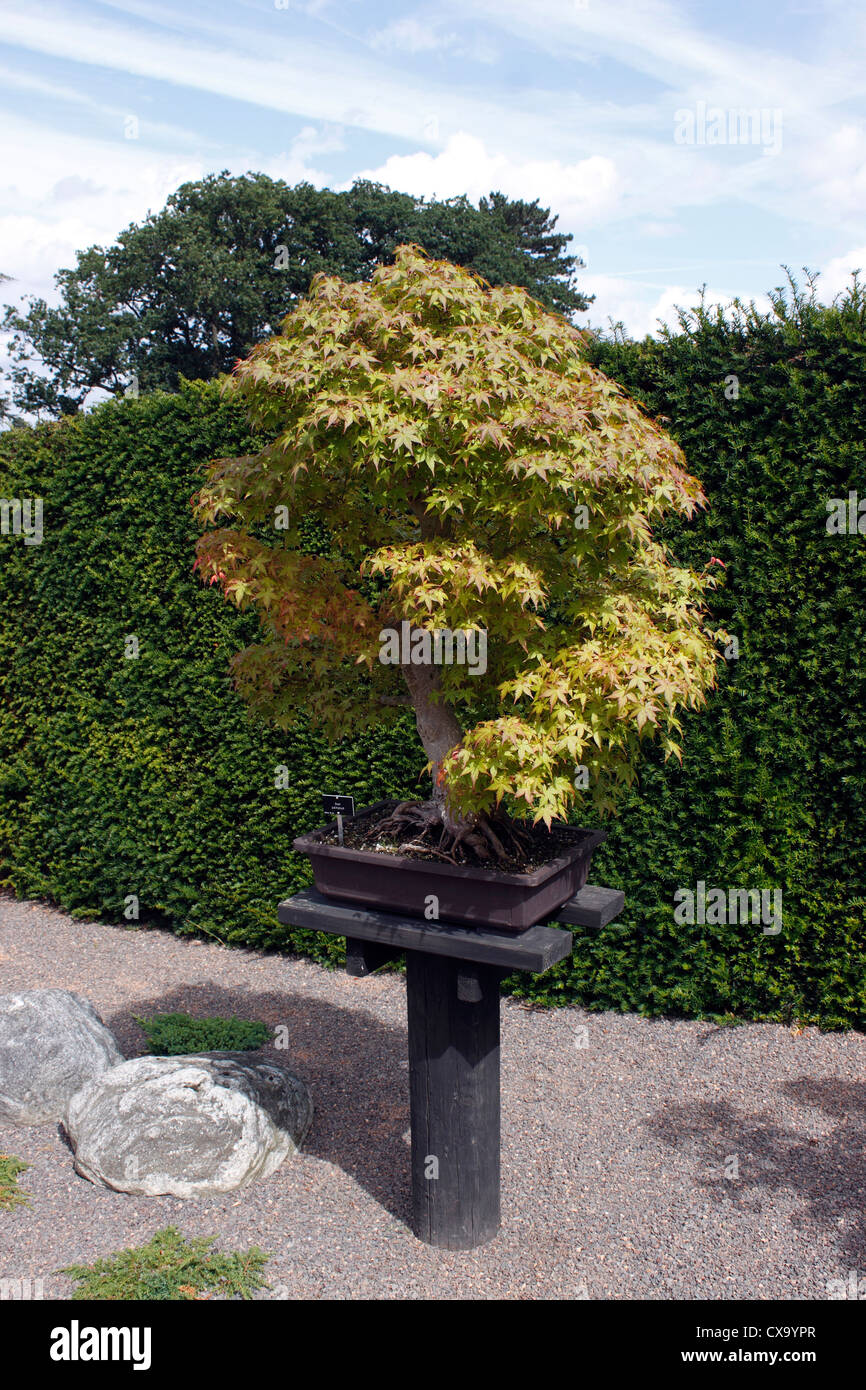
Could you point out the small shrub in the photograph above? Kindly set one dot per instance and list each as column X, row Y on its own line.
column 171, row 1035
column 10, row 1193
column 169, row 1267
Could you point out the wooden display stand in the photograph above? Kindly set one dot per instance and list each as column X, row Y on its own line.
column 452, row 994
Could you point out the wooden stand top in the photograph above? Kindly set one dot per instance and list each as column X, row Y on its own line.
column 535, row 950
column 592, row 907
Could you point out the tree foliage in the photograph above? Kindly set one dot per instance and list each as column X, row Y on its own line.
column 473, row 471
column 196, row 285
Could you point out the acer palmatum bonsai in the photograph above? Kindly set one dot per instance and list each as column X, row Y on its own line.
column 468, row 470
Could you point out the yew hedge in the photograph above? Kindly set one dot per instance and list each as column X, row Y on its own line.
column 147, row 776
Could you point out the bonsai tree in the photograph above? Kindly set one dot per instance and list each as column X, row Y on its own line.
column 445, row 460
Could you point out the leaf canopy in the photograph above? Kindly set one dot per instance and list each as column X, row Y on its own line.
column 472, row 470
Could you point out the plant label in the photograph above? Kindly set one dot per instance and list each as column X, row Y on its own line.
column 339, row 806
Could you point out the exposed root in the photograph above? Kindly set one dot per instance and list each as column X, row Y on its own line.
column 428, row 849
column 498, row 848
column 419, row 827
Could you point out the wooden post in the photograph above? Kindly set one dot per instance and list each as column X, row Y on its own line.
column 363, row 957
column 453, row 1014
column 452, row 994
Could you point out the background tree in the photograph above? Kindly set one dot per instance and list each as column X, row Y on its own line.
column 463, row 466
column 5, row 413
column 195, row 286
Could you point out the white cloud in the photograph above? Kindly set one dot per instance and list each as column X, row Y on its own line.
column 660, row 229
column 657, row 39
column 412, row 36
column 61, row 193
column 312, row 140
column 582, row 192
column 271, row 68
column 834, row 171
column 620, row 300
column 112, row 118
column 836, row 274
column 72, row 188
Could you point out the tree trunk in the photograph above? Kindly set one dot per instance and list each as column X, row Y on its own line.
column 437, row 727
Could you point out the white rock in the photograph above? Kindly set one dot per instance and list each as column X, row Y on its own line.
column 185, row 1126
column 51, row 1042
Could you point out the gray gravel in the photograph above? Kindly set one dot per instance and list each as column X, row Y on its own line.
column 614, row 1153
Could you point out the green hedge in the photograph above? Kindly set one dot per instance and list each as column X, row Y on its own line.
column 772, row 793
column 148, row 777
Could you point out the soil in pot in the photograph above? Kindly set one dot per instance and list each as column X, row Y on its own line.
column 399, row 830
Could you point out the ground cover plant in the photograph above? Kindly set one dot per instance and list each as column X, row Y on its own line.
column 170, row 1267
column 172, row 1035
column 11, row 1194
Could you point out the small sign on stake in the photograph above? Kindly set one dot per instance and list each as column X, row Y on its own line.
column 339, row 806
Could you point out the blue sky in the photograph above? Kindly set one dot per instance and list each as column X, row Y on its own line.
column 681, row 143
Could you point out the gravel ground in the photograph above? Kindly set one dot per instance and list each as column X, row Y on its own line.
column 616, row 1135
